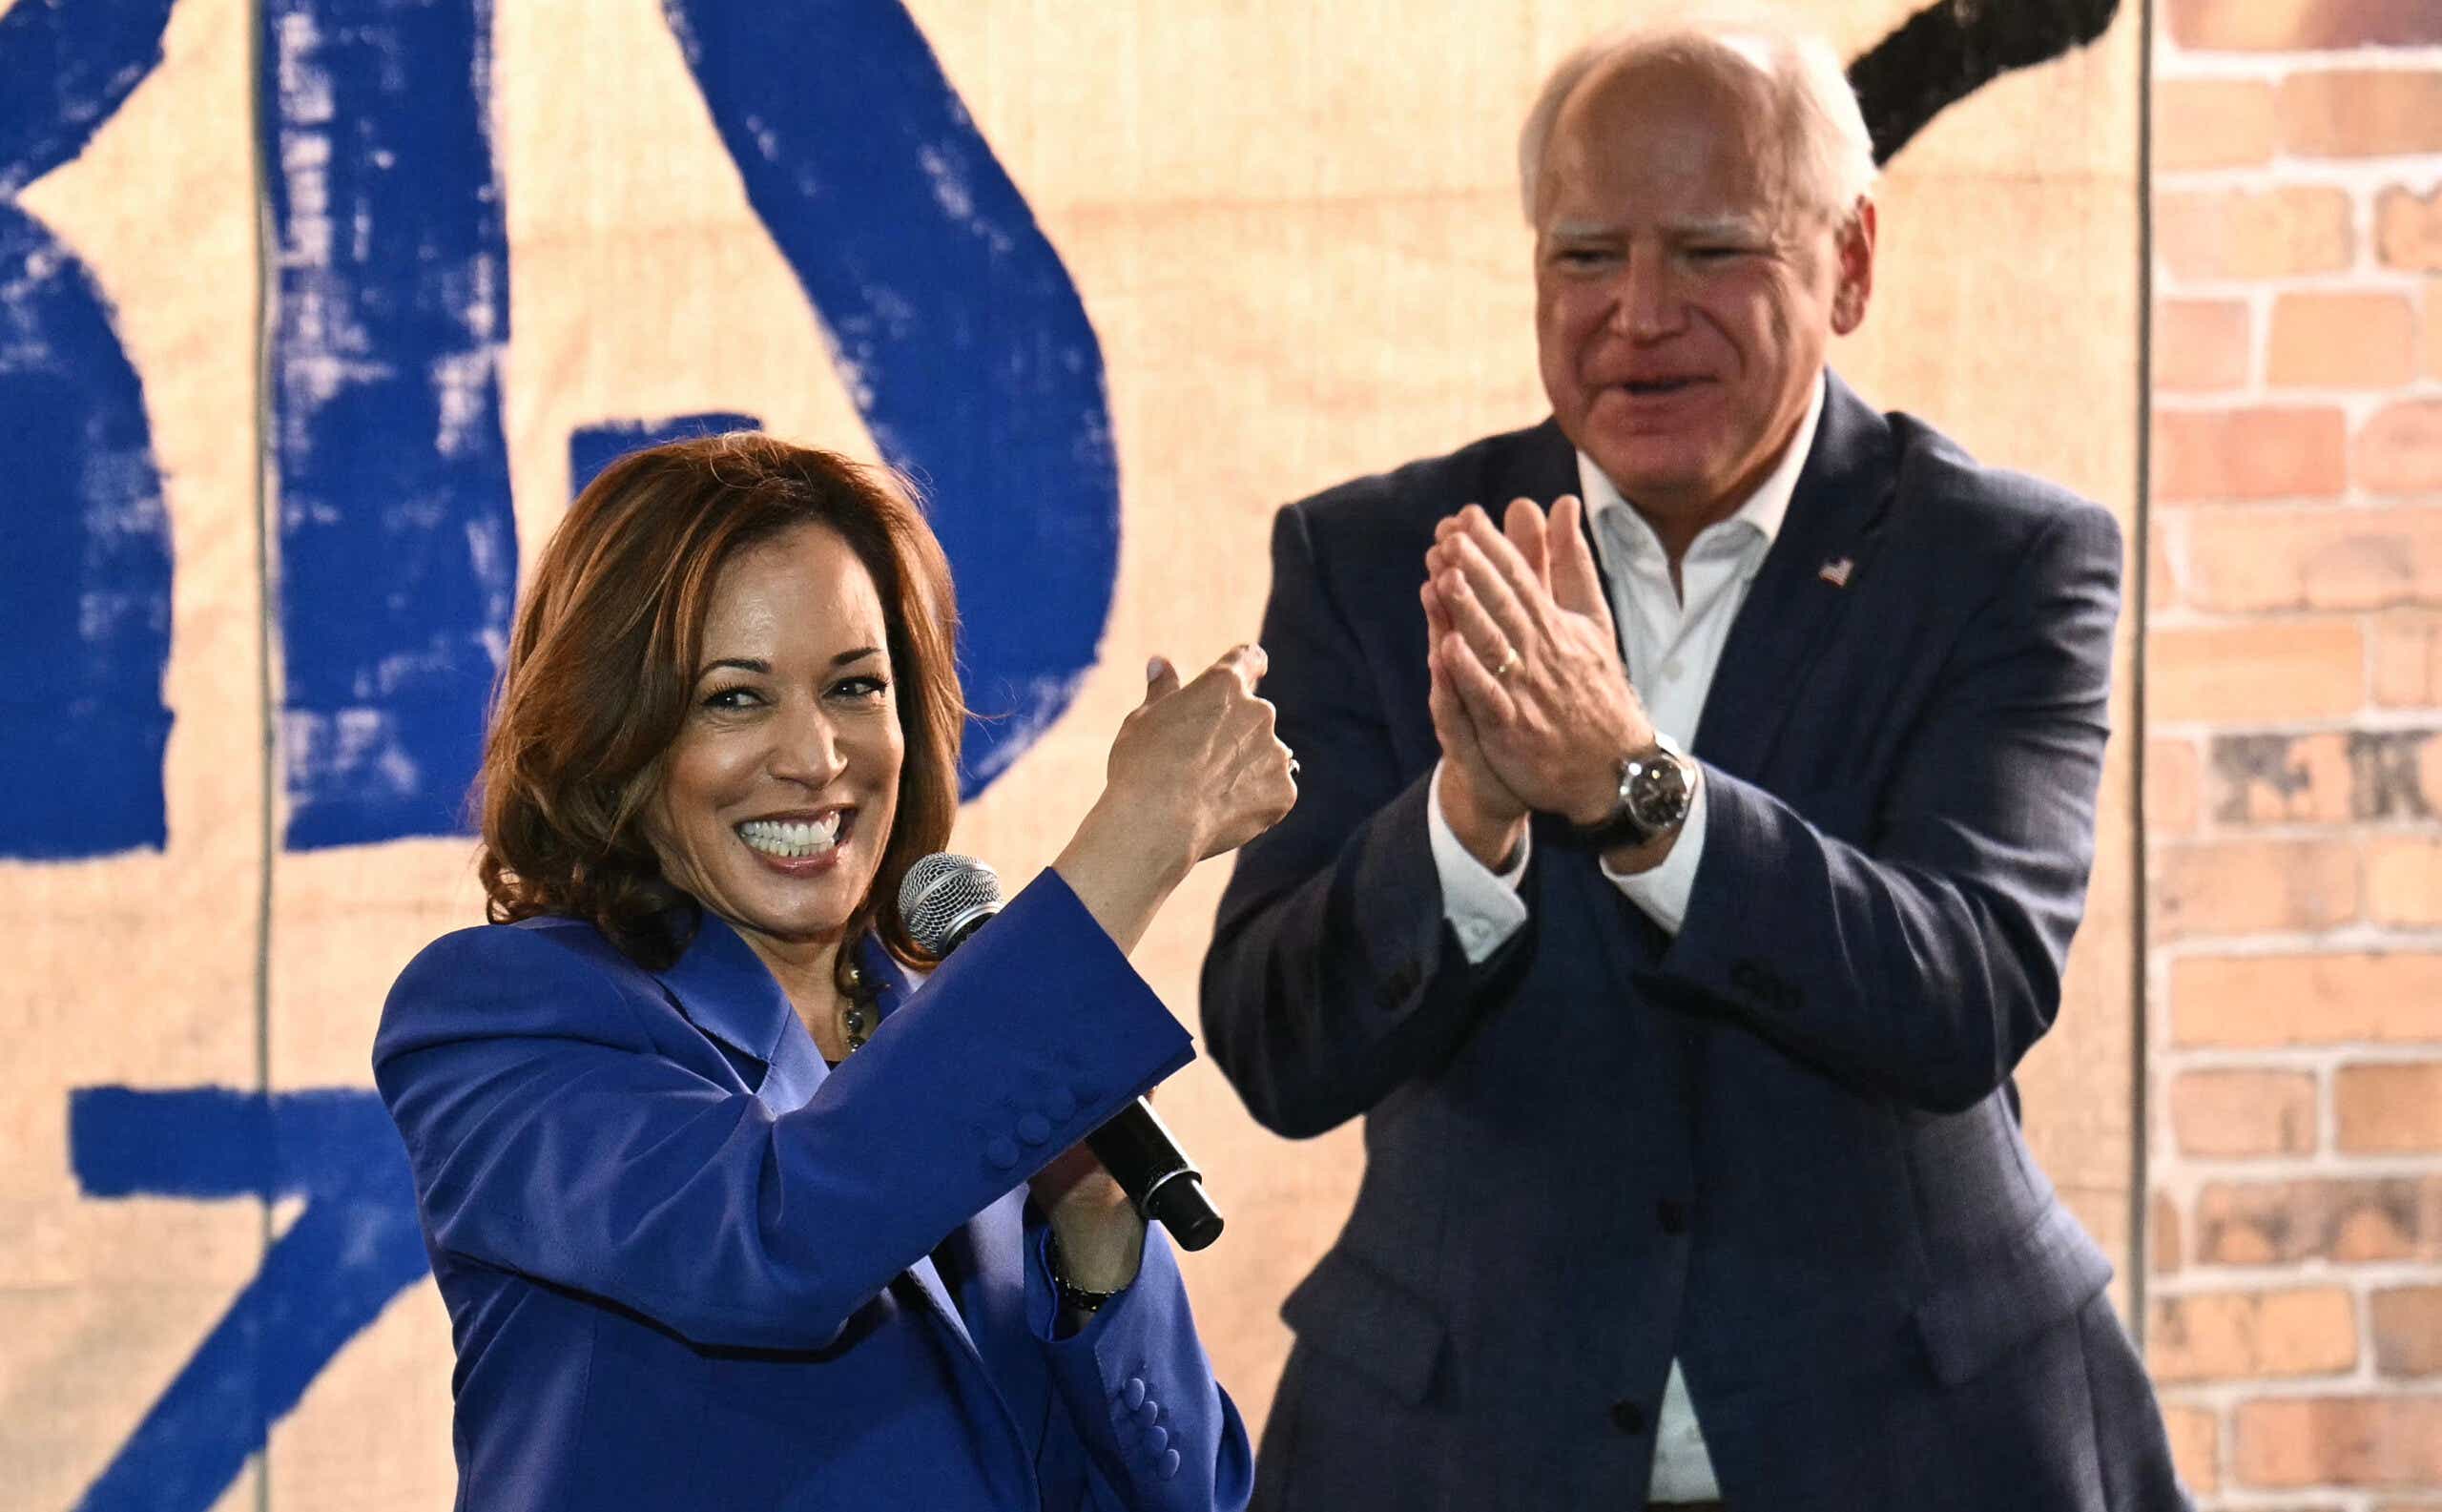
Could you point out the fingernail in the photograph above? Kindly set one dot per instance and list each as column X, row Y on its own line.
column 1153, row 669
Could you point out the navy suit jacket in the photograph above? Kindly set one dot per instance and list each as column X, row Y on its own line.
column 686, row 1265
column 1781, row 1147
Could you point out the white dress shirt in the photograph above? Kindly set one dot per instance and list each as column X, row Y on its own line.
column 1671, row 644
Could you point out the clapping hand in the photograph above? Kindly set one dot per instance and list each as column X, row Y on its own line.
column 1524, row 649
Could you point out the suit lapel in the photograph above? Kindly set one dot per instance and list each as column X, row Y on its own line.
column 1821, row 562
column 725, row 989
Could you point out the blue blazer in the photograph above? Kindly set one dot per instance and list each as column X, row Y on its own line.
column 686, row 1265
column 1781, row 1147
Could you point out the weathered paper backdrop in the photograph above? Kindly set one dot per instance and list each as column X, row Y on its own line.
column 309, row 309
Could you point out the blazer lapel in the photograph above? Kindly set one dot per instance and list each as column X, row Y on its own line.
column 1820, row 562
column 727, row 991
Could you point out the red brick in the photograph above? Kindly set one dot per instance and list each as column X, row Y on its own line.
column 2432, row 302
column 2353, row 339
column 2246, row 886
column 2174, row 778
column 2400, row 449
column 2204, row 234
column 2196, row 1448
column 2408, row 1330
column 2254, row 673
column 2260, row 1002
column 2361, row 774
column 2256, row 454
column 2200, row 346
column 2408, row 229
column 2282, row 780
column 2338, row 1440
column 2408, row 660
column 2361, row 112
column 2212, row 123
column 2386, row 1108
column 2162, row 1236
column 2231, row 1336
column 2287, row 26
column 2344, row 1219
column 2162, row 569
column 2404, row 882
column 2324, row 559
column 2244, row 1113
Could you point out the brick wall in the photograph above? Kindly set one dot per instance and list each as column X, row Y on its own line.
column 2293, row 691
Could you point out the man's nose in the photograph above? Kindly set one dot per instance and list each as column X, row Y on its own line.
column 1647, row 304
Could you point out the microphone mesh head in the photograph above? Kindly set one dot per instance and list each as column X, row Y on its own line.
column 942, row 893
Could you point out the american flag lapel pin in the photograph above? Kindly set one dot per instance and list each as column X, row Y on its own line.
column 1837, row 571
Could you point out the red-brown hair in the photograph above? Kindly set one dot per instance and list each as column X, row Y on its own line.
column 602, row 665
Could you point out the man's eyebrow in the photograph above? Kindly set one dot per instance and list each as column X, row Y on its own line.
column 1729, row 228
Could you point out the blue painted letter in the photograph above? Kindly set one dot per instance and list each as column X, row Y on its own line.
column 355, row 1246
column 952, row 321
column 84, row 538
column 398, row 550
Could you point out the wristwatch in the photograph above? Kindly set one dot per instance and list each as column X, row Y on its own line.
column 1656, row 785
column 1071, row 1295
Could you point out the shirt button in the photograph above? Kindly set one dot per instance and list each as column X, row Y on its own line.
column 1673, row 1214
column 1627, row 1416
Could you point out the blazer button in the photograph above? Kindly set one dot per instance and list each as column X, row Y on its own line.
column 1168, row 1469
column 1060, row 1105
column 1627, row 1416
column 1001, row 1153
column 1673, row 1214
column 1034, row 1128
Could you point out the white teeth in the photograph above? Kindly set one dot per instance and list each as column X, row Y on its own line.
column 792, row 840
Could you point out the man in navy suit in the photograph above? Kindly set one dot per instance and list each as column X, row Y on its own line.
column 1678, row 877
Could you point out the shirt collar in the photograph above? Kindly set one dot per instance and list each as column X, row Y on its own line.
column 1758, row 518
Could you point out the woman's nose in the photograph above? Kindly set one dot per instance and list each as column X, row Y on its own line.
column 806, row 749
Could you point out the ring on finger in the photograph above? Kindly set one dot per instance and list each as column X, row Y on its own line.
column 1508, row 660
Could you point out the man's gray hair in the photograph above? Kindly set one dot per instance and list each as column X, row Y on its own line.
column 1831, row 154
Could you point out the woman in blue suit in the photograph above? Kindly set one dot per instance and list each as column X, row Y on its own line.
column 727, row 1210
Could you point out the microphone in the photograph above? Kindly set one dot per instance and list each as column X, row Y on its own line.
column 947, row 898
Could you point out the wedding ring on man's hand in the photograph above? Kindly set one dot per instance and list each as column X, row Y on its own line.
column 1506, row 662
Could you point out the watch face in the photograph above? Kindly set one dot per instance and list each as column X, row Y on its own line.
column 1657, row 794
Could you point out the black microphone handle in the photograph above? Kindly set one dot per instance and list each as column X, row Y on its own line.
column 1138, row 1150
column 1136, row 1147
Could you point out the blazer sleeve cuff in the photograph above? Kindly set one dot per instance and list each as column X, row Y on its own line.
column 1156, row 1426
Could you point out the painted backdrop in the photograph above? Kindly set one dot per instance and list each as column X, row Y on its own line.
column 314, row 313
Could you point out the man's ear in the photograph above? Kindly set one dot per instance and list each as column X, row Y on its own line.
column 1852, row 246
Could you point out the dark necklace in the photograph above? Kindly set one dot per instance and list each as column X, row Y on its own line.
column 855, row 1018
